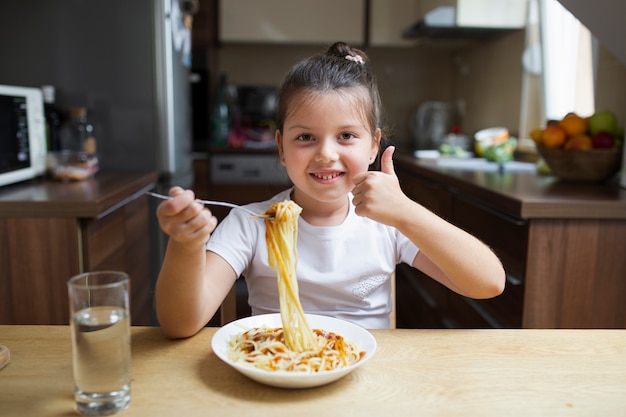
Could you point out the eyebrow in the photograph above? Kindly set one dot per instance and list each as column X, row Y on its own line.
column 343, row 127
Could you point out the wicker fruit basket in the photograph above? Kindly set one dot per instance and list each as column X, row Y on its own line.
column 590, row 165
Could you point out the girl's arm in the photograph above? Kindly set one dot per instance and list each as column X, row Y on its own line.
column 448, row 254
column 188, row 291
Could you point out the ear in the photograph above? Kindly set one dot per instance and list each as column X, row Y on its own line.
column 278, row 139
column 376, row 146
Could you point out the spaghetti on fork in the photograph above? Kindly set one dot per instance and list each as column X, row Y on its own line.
column 295, row 346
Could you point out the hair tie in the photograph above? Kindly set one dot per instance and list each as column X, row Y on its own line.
column 356, row 58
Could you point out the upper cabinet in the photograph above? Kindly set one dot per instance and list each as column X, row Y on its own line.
column 317, row 22
column 387, row 20
column 292, row 21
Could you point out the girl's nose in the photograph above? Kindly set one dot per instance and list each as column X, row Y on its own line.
column 327, row 151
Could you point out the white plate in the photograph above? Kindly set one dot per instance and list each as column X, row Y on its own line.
column 354, row 334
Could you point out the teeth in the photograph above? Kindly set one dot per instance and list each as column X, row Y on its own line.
column 327, row 177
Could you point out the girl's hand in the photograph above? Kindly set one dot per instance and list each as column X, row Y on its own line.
column 185, row 220
column 378, row 195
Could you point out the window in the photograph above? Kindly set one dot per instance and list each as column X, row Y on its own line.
column 560, row 65
column 568, row 64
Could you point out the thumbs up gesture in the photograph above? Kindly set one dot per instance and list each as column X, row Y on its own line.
column 377, row 194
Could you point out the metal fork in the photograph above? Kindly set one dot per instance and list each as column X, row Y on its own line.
column 217, row 203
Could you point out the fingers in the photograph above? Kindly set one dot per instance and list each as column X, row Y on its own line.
column 184, row 219
column 386, row 161
column 181, row 199
column 386, row 165
column 197, row 228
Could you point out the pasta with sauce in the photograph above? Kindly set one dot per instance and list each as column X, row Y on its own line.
column 295, row 346
column 265, row 348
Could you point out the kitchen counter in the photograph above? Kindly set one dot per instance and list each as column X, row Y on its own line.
column 50, row 231
column 562, row 246
column 526, row 194
column 414, row 372
column 90, row 198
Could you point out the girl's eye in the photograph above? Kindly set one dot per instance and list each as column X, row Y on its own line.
column 346, row 136
column 304, row 137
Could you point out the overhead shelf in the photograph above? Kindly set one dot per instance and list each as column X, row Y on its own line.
column 454, row 33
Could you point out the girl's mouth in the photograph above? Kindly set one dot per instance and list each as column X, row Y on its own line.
column 326, row 176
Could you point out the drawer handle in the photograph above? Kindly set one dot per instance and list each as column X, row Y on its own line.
column 504, row 216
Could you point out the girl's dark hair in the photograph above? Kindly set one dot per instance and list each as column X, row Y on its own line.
column 340, row 67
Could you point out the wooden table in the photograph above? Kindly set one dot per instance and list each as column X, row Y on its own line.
column 414, row 372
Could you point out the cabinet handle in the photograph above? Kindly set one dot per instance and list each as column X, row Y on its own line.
column 484, row 314
column 422, row 292
column 513, row 280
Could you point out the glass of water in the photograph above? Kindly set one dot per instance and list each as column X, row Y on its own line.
column 100, row 326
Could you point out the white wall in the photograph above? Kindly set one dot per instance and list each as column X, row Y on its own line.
column 606, row 19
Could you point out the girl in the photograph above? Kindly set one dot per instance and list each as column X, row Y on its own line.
column 356, row 224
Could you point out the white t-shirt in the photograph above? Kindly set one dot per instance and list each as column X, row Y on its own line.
column 343, row 271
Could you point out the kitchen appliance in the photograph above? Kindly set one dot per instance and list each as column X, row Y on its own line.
column 128, row 63
column 22, row 134
column 431, row 123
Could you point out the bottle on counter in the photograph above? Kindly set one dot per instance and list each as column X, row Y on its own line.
column 53, row 118
column 221, row 115
column 77, row 133
column 76, row 160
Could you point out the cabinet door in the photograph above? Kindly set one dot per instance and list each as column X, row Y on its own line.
column 121, row 241
column 508, row 237
column 429, row 194
column 38, row 256
column 292, row 21
column 389, row 18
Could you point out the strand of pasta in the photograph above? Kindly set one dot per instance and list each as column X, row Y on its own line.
column 281, row 236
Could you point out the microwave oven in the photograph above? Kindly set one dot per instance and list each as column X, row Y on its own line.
column 22, row 134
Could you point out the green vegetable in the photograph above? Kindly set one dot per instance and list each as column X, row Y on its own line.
column 502, row 152
column 453, row 150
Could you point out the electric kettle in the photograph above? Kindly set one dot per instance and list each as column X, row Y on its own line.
column 431, row 123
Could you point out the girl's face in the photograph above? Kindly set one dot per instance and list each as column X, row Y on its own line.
column 325, row 143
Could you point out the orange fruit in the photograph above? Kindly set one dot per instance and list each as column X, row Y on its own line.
column 536, row 134
column 553, row 136
column 573, row 124
column 582, row 141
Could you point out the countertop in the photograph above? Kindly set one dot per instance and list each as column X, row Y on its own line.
column 524, row 193
column 414, row 372
column 90, row 198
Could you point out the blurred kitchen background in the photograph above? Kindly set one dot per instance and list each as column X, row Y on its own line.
column 186, row 87
column 109, row 55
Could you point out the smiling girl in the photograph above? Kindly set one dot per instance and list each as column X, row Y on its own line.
column 356, row 223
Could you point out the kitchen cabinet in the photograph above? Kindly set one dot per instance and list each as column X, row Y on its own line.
column 327, row 21
column 292, row 21
column 387, row 20
column 562, row 246
column 50, row 231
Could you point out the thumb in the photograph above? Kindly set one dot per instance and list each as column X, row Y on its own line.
column 174, row 191
column 386, row 161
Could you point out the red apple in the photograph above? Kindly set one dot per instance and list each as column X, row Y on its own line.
column 603, row 139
